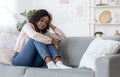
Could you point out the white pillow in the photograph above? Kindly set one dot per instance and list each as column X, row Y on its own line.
column 7, row 43
column 98, row 48
column 6, row 56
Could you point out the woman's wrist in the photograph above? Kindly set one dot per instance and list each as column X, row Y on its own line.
column 52, row 26
column 53, row 41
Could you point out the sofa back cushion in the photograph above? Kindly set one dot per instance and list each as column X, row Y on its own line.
column 116, row 38
column 72, row 49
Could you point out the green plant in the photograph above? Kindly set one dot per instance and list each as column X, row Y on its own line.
column 20, row 25
column 27, row 15
column 99, row 32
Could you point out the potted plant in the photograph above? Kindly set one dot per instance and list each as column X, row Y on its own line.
column 27, row 15
column 98, row 34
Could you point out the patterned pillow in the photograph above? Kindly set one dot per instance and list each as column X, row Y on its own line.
column 6, row 56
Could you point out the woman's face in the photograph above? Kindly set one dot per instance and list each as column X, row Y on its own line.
column 42, row 23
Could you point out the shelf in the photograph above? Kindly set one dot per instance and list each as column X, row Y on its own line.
column 108, row 6
column 97, row 10
column 106, row 24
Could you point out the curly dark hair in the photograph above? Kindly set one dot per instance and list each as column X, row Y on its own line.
column 37, row 16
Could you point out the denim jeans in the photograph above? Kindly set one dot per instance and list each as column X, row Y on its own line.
column 33, row 54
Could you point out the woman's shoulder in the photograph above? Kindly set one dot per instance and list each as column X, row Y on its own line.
column 29, row 25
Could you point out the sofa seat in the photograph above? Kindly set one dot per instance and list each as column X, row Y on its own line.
column 43, row 72
column 21, row 71
column 12, row 71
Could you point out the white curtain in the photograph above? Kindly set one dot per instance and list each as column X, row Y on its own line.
column 12, row 5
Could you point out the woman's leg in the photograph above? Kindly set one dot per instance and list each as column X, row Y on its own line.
column 26, row 56
column 45, row 54
column 54, row 52
column 38, row 62
column 42, row 49
column 57, row 58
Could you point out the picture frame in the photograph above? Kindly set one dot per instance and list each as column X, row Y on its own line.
column 112, row 2
column 64, row 1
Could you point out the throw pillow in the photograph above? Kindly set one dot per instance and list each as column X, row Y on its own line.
column 7, row 43
column 98, row 48
column 6, row 56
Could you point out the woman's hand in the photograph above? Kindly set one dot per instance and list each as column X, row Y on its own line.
column 56, row 44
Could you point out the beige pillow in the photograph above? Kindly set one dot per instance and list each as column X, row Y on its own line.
column 7, row 43
column 6, row 56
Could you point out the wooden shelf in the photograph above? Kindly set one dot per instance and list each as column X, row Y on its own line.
column 107, row 24
column 108, row 6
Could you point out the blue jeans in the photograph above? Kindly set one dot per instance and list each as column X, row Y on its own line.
column 34, row 53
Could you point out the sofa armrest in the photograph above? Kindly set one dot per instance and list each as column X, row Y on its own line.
column 108, row 66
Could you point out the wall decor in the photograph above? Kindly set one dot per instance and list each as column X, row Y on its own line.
column 112, row 2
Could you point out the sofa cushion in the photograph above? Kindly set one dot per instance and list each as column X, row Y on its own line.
column 117, row 38
column 12, row 71
column 41, row 72
column 6, row 56
column 72, row 49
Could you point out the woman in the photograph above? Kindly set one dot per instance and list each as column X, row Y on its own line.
column 36, row 45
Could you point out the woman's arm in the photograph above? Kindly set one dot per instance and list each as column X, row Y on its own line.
column 30, row 31
column 58, row 33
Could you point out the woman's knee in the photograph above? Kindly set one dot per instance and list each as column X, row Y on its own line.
column 40, row 44
column 30, row 40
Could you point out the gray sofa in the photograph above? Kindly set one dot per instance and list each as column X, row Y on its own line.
column 72, row 49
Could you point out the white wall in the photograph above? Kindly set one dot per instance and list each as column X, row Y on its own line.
column 24, row 5
column 7, row 21
column 11, row 5
column 64, row 15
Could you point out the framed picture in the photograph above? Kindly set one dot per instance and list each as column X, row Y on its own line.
column 112, row 2
column 64, row 1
